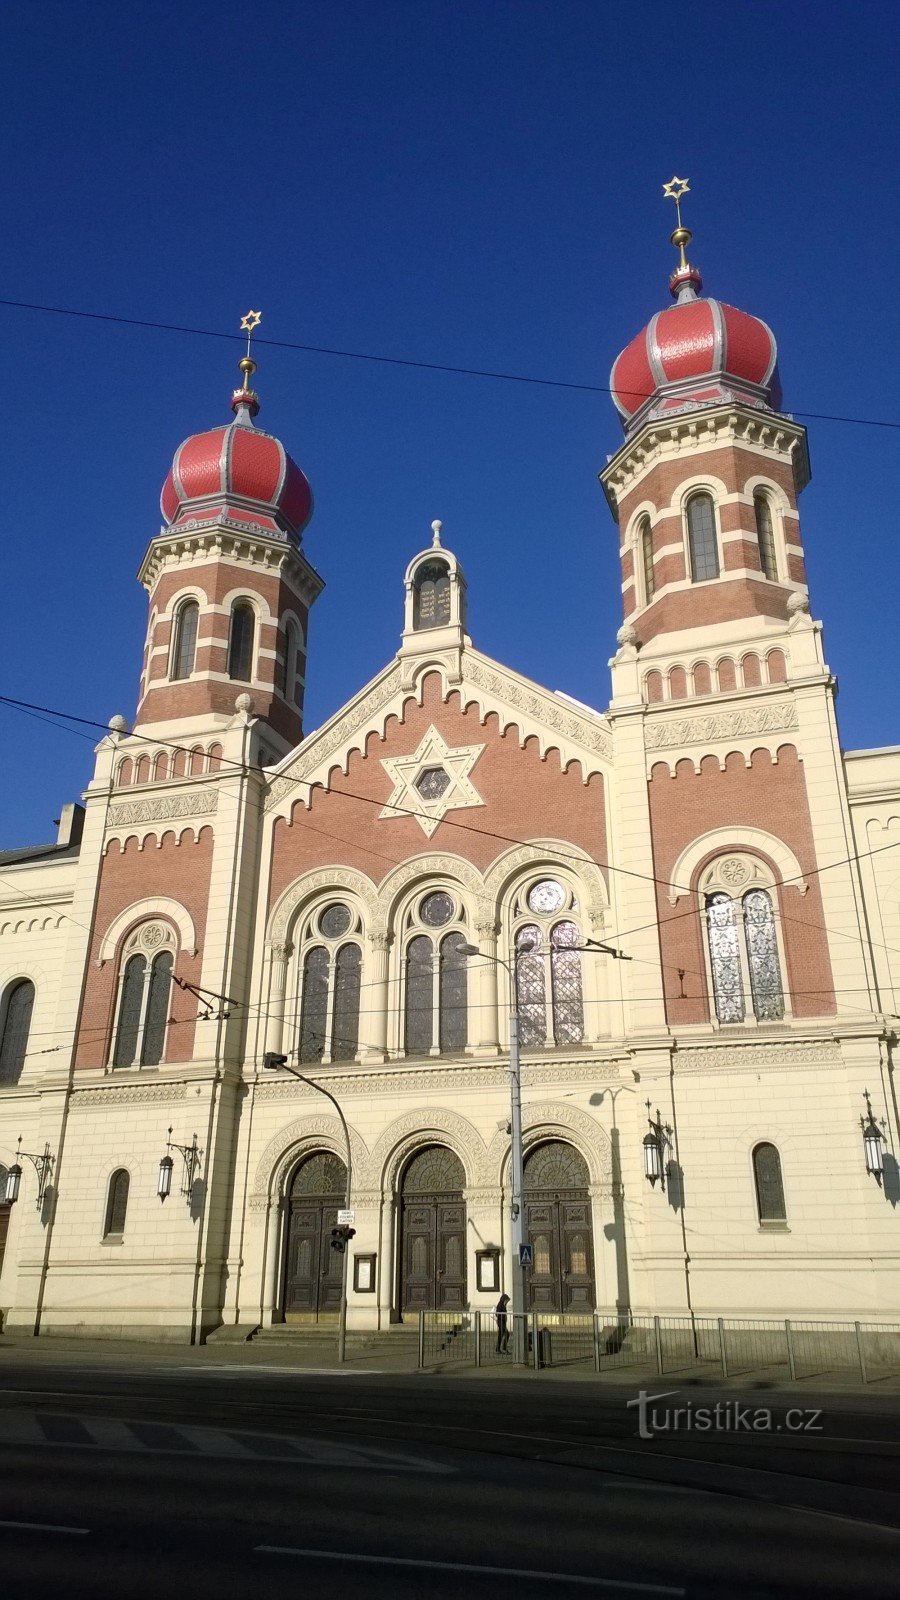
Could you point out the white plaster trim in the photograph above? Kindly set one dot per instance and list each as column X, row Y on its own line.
column 728, row 840
column 142, row 911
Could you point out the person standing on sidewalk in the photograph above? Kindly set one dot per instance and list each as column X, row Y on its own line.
column 502, row 1319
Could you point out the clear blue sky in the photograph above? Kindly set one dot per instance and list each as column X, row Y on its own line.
column 475, row 183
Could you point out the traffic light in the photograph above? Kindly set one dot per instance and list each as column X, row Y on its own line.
column 340, row 1237
column 272, row 1061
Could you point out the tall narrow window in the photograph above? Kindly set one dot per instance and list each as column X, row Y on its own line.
column 290, row 660
column 345, row 1032
column 131, row 1005
column 647, row 561
column 565, row 979
column 116, row 1204
column 530, row 986
column 725, row 957
column 184, row 648
column 765, row 533
column 762, row 956
column 314, row 1007
column 453, row 994
column 240, row 642
column 419, row 996
column 769, row 1185
column 157, row 1009
column 16, row 1025
column 701, row 519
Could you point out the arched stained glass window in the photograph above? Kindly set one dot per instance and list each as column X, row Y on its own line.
column 345, row 1032
column 769, row 1185
column 323, row 1173
column 530, row 987
column 240, row 642
column 555, row 1166
column 419, row 996
column 157, row 1010
column 453, row 1028
column 565, row 980
column 647, row 561
column 131, row 1005
column 765, row 533
column 436, row 1170
column 314, row 1005
column 116, row 1204
column 16, row 1026
column 725, row 957
column 184, row 648
column 701, row 520
column 762, row 956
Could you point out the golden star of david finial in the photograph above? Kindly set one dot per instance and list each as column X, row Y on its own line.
column 247, row 365
column 676, row 189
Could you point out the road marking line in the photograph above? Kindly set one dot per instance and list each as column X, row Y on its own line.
column 43, row 1527
column 466, row 1566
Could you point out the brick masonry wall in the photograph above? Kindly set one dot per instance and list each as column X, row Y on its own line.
column 178, row 869
column 525, row 798
column 767, row 795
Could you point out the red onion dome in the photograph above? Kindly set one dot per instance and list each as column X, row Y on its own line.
column 698, row 353
column 239, row 473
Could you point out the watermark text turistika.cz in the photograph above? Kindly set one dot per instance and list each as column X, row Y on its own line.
column 726, row 1416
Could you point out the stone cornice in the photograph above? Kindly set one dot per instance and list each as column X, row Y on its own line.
column 673, row 732
column 658, row 441
column 226, row 540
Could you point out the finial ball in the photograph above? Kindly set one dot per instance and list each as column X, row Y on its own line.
column 244, row 702
column 118, row 724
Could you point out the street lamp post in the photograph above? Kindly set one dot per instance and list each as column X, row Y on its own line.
column 272, row 1062
column 516, row 1159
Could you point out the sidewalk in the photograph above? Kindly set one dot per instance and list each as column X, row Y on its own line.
column 368, row 1357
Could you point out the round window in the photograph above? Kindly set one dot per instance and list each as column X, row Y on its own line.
column 334, row 921
column 436, row 909
column 546, row 895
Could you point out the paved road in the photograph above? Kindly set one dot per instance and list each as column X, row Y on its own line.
column 150, row 1471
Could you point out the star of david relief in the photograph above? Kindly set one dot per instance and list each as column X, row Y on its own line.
column 432, row 781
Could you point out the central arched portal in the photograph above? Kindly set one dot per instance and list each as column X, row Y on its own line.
column 433, row 1232
column 312, row 1279
column 558, row 1228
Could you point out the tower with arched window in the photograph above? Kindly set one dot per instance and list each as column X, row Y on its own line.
column 230, row 589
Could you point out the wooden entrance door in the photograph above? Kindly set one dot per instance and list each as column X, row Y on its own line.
column 313, row 1270
column 558, row 1227
column 433, row 1233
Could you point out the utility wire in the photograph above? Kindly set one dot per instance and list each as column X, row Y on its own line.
column 394, row 361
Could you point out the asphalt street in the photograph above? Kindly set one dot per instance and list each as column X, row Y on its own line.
column 138, row 1470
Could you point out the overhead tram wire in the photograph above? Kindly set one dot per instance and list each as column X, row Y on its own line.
column 658, row 923
column 393, row 361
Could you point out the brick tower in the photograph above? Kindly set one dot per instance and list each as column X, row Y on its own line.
column 230, row 590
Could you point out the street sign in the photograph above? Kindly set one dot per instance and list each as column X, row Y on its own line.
column 347, row 1217
column 526, row 1255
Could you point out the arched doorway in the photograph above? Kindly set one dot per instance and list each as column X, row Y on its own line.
column 433, row 1233
column 312, row 1279
column 558, row 1227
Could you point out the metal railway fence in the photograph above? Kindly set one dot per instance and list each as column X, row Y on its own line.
column 610, row 1341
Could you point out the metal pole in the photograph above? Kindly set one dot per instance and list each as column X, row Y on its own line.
column 342, row 1315
column 722, row 1355
column 792, row 1365
column 517, row 1184
column 861, row 1353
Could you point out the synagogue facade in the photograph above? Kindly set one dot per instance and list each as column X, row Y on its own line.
column 687, row 900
